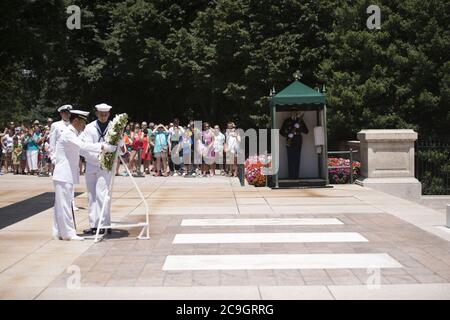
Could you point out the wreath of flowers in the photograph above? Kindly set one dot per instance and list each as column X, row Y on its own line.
column 113, row 137
column 294, row 131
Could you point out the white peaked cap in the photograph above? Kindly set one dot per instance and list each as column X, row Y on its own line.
column 82, row 114
column 67, row 107
column 103, row 107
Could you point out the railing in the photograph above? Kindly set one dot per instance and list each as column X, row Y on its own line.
column 432, row 165
column 350, row 166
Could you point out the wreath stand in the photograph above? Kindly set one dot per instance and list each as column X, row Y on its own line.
column 145, row 225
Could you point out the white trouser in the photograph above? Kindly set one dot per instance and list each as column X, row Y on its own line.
column 63, row 225
column 32, row 159
column 97, row 183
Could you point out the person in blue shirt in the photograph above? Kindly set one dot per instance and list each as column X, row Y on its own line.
column 161, row 149
column 32, row 144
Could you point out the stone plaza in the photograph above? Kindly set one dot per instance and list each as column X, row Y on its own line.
column 211, row 238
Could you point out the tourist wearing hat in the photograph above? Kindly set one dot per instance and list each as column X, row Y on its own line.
column 97, row 179
column 67, row 154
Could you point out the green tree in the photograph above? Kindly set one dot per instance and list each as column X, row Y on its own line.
column 395, row 77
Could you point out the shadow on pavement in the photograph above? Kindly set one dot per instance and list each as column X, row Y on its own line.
column 24, row 209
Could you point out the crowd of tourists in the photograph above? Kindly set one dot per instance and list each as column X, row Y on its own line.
column 150, row 149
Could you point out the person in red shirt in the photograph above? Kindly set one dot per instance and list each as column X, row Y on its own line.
column 145, row 155
column 137, row 144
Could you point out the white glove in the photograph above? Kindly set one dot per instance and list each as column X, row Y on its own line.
column 109, row 147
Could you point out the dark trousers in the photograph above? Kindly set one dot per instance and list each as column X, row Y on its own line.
column 293, row 154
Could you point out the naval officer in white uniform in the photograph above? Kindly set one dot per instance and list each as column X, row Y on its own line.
column 97, row 179
column 57, row 128
column 66, row 174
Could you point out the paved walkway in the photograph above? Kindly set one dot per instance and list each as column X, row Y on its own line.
column 212, row 239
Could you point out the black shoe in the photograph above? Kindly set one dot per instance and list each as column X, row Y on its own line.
column 90, row 231
column 107, row 231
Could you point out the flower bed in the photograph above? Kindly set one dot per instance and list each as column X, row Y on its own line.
column 342, row 175
column 254, row 171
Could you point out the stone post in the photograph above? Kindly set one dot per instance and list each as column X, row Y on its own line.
column 387, row 162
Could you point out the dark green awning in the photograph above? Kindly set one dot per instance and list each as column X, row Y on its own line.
column 297, row 93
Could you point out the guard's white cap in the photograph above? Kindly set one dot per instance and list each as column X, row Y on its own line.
column 65, row 107
column 80, row 113
column 103, row 107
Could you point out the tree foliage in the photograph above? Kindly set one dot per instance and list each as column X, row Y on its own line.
column 396, row 77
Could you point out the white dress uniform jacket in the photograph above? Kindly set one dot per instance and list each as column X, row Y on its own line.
column 56, row 130
column 97, row 179
column 68, row 150
column 66, row 174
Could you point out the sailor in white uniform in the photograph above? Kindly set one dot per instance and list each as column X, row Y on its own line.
column 97, row 179
column 66, row 174
column 56, row 129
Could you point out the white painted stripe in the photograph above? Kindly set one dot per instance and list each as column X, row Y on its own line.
column 268, row 237
column 325, row 209
column 444, row 228
column 261, row 222
column 279, row 261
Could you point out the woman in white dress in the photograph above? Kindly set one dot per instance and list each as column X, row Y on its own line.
column 233, row 144
column 219, row 141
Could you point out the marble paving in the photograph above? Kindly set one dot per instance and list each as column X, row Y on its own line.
column 284, row 232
